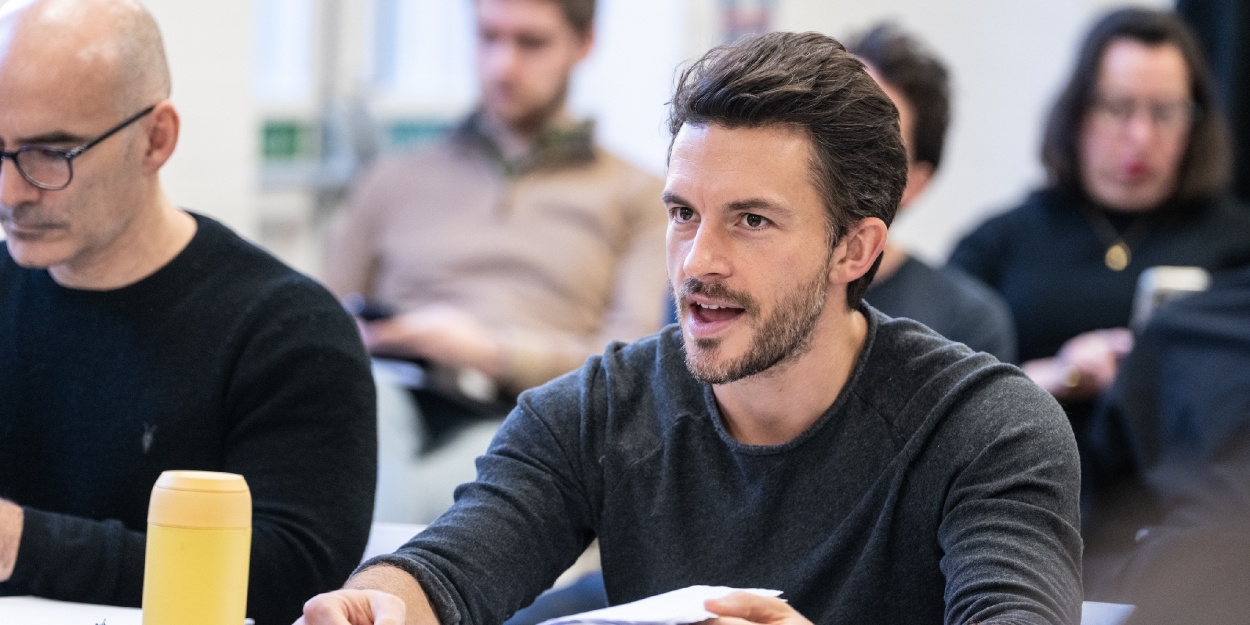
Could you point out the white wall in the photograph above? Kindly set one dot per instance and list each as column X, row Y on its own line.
column 1008, row 60
column 628, row 78
column 214, row 169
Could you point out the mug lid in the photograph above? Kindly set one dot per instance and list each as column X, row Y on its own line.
column 204, row 481
column 200, row 500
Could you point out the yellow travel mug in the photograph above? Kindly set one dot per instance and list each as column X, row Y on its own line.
column 198, row 546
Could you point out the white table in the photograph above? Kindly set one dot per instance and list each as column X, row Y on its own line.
column 35, row 611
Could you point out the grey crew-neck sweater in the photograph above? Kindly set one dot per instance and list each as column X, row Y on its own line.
column 940, row 486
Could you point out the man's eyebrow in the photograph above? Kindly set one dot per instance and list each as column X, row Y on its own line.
column 755, row 204
column 672, row 198
column 56, row 136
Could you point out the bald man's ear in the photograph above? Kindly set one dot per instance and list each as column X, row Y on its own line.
column 162, row 127
column 858, row 250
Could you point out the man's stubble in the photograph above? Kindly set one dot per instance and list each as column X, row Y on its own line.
column 783, row 336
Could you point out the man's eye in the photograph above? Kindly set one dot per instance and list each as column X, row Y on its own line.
column 683, row 213
column 753, row 221
column 532, row 44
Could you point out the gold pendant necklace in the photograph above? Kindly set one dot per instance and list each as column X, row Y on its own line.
column 1118, row 256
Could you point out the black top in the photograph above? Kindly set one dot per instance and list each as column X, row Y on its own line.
column 1176, row 426
column 1045, row 258
column 940, row 486
column 223, row 360
column 951, row 302
column 1167, row 467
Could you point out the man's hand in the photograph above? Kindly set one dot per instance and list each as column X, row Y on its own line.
column 1084, row 367
column 354, row 607
column 744, row 608
column 444, row 334
column 378, row 595
column 11, row 519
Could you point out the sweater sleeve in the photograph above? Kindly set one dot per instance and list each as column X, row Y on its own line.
column 523, row 522
column 305, row 438
column 1010, row 528
column 75, row 559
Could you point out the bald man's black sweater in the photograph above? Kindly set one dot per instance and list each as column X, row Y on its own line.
column 222, row 360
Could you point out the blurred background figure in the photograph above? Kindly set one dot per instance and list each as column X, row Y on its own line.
column 1167, row 469
column 1138, row 157
column 512, row 249
column 947, row 300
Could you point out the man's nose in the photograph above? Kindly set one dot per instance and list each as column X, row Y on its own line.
column 14, row 189
column 707, row 255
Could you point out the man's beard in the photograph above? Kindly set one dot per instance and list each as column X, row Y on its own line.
column 782, row 337
column 536, row 117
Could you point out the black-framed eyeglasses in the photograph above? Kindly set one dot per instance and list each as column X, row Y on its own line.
column 53, row 168
column 1168, row 115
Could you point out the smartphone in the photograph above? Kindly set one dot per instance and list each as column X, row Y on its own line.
column 1159, row 285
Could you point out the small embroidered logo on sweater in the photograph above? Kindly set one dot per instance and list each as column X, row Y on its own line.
column 149, row 434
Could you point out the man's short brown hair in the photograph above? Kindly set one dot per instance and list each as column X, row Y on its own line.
column 580, row 14
column 807, row 81
column 904, row 63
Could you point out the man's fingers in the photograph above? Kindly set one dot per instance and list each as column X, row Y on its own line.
column 749, row 607
column 324, row 609
column 728, row 620
column 1121, row 341
column 354, row 607
column 387, row 608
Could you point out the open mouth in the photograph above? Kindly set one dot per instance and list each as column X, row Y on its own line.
column 709, row 319
column 708, row 313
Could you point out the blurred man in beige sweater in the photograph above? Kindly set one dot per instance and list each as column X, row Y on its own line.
column 516, row 247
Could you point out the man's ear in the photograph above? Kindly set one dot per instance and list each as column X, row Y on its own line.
column 919, row 175
column 858, row 250
column 162, row 136
column 586, row 44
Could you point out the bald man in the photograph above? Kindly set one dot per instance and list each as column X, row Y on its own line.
column 136, row 337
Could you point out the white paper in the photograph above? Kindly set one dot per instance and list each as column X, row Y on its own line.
column 35, row 611
column 1094, row 613
column 678, row 607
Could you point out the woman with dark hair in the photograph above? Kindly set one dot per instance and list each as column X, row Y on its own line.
column 1138, row 158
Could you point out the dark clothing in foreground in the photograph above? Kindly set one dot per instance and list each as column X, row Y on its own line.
column 1045, row 258
column 1170, row 455
column 950, row 302
column 223, row 360
column 941, row 486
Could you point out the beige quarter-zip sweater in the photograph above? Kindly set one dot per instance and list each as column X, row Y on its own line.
column 558, row 254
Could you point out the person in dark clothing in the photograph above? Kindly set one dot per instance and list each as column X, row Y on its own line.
column 1168, row 465
column 1138, row 159
column 945, row 299
column 137, row 338
column 785, row 435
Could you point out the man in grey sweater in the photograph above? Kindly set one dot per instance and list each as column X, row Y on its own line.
column 786, row 436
